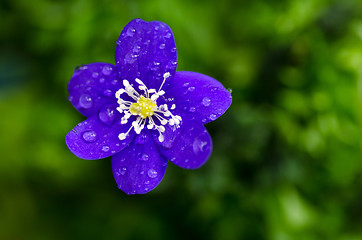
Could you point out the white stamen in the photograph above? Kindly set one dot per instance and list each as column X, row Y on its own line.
column 162, row 113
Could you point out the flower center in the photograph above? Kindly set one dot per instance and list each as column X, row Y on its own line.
column 145, row 108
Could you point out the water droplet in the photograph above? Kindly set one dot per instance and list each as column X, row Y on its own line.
column 157, row 27
column 70, row 98
column 212, row 117
column 85, row 101
column 142, row 138
column 136, row 49
column 173, row 49
column 95, row 75
column 206, row 101
column 191, row 89
column 144, row 157
column 198, row 145
column 114, row 82
column 122, row 170
column 173, row 159
column 168, row 35
column 152, row 173
column 79, row 68
column 119, row 42
column 107, row 70
column 102, row 80
column 130, row 58
column 186, row 84
column 230, row 90
column 130, row 31
column 107, row 115
column 192, row 109
column 108, row 93
column 105, row 148
column 146, row 189
column 162, row 46
column 147, row 182
column 90, row 136
column 142, row 172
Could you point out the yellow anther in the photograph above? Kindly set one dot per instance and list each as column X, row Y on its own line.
column 144, row 107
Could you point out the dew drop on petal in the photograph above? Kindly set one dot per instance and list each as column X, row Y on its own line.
column 122, row 170
column 79, row 68
column 192, row 109
column 90, row 136
column 162, row 46
column 144, row 157
column 142, row 138
column 130, row 58
column 152, row 173
column 107, row 70
column 102, row 80
column 108, row 93
column 105, row 148
column 168, row 35
column 136, row 49
column 191, row 89
column 206, row 101
column 85, row 101
column 131, row 31
column 212, row 117
column 198, row 145
column 95, row 75
column 107, row 115
column 142, row 172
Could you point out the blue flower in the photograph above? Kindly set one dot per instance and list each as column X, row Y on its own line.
column 141, row 111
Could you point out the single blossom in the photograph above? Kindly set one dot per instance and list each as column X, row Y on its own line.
column 141, row 111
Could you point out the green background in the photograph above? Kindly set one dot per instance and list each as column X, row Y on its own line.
column 287, row 158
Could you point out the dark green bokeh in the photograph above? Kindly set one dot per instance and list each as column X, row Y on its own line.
column 287, row 155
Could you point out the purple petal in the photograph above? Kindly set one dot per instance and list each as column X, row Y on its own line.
column 199, row 97
column 146, row 50
column 192, row 148
column 92, row 86
column 93, row 139
column 140, row 167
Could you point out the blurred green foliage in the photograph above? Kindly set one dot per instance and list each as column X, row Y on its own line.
column 287, row 155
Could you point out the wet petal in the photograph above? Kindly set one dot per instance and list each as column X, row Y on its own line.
column 93, row 139
column 146, row 50
column 92, row 86
column 199, row 97
column 140, row 167
column 192, row 148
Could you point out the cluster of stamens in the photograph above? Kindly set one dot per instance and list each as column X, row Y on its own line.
column 145, row 107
